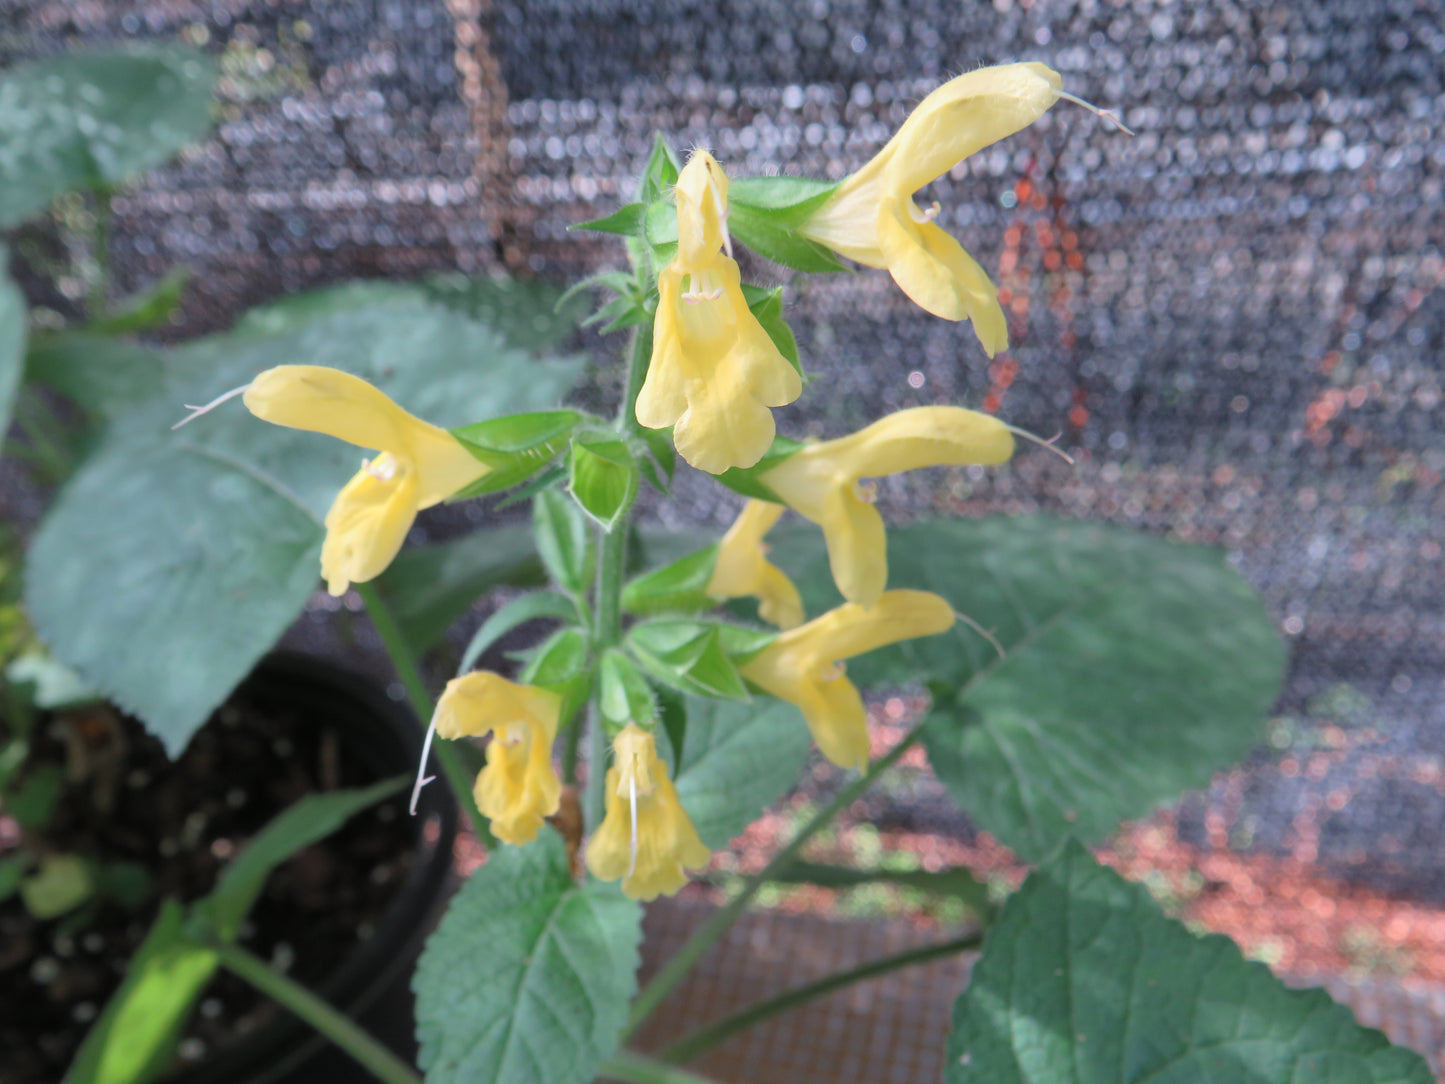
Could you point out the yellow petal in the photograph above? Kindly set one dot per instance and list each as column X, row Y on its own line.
column 778, row 599
column 518, row 789
column 368, row 522
column 475, row 703
column 851, row 630
column 938, row 275
column 330, row 401
column 965, row 115
column 702, row 194
column 857, row 545
column 663, row 397
column 835, row 714
column 930, row 436
column 742, row 568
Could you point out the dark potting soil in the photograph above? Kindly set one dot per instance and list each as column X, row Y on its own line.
column 182, row 821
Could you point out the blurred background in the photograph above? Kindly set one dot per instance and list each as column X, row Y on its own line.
column 1234, row 319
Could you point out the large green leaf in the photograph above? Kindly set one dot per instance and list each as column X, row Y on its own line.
column 1135, row 668
column 172, row 561
column 14, row 326
column 96, row 121
column 528, row 977
column 104, row 375
column 1085, row 981
column 737, row 760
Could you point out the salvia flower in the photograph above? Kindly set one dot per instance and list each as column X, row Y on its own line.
column 714, row 372
column 743, row 568
column 872, row 218
column 646, row 838
column 518, row 789
column 822, row 482
column 420, row 464
column 805, row 665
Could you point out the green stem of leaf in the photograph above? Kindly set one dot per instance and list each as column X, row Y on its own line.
column 673, row 971
column 95, row 302
column 377, row 1059
column 457, row 776
column 636, row 1069
column 689, row 1048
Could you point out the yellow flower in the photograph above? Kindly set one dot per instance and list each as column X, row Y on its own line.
column 646, row 838
column 743, row 567
column 872, row 218
column 820, row 482
column 804, row 665
column 714, row 371
column 420, row 465
column 518, row 788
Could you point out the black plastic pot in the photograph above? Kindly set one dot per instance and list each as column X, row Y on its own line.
column 373, row 985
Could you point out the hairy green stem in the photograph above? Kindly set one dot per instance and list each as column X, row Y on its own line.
column 330, row 1022
column 404, row 661
column 687, row 1049
column 636, row 1069
column 673, row 971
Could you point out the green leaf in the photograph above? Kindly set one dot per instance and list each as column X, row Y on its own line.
column 214, row 564
column 625, row 220
column 105, row 376
column 789, row 201
column 147, row 309
column 529, row 314
column 560, row 664
column 308, row 821
column 33, row 802
column 96, row 121
column 762, row 233
column 661, row 172
column 528, row 978
column 14, row 329
column 534, row 606
column 1084, row 981
column 747, row 480
column 61, row 884
column 735, row 761
column 688, row 655
column 515, row 447
column 1135, row 669
column 767, row 307
column 563, row 541
column 658, row 457
column 428, row 587
column 603, row 477
column 134, row 1041
column 680, row 587
column 12, row 872
column 623, row 695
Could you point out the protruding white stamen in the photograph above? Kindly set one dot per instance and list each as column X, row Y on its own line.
column 922, row 217
column 1106, row 114
column 698, row 290
column 632, row 801
column 382, row 471
column 422, row 779
column 197, row 411
column 985, row 633
column 1042, row 443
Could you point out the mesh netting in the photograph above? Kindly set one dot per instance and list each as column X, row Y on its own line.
column 1234, row 317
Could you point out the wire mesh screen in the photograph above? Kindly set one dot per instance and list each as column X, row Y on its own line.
column 1234, row 317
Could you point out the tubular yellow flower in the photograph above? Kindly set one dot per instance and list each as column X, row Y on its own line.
column 743, row 567
column 872, row 218
column 646, row 838
column 714, row 372
column 804, row 665
column 820, row 482
column 420, row 464
column 518, row 788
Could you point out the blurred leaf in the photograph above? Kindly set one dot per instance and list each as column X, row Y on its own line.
column 735, row 761
column 14, row 329
column 956, row 883
column 127, row 883
column 96, row 121
column 294, row 312
column 602, row 477
column 1135, row 669
column 563, row 541
column 147, row 309
column 12, row 872
column 1084, row 981
column 428, row 588
column 215, row 563
column 103, row 375
column 680, row 587
column 529, row 314
column 528, row 977
column 534, row 606
column 61, row 884
column 56, row 685
column 33, row 802
column 308, row 821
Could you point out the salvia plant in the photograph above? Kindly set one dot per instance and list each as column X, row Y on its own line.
column 1077, row 674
